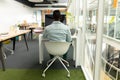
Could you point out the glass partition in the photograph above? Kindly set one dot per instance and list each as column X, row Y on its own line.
column 112, row 18
column 110, row 67
column 117, row 29
column 111, row 50
column 90, row 36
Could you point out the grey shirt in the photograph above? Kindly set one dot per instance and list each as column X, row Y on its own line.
column 57, row 31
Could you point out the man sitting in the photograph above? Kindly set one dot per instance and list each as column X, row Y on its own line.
column 57, row 31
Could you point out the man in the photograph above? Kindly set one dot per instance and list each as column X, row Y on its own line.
column 57, row 31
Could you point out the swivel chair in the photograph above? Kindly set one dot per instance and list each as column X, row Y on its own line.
column 57, row 49
column 5, row 48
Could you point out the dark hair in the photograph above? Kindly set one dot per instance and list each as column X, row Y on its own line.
column 56, row 15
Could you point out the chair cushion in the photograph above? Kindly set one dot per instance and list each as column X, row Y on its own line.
column 7, row 42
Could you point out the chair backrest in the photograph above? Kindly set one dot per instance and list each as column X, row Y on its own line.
column 57, row 48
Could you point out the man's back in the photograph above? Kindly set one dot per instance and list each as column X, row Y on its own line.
column 57, row 31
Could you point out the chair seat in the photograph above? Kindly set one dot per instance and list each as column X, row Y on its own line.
column 7, row 42
column 57, row 49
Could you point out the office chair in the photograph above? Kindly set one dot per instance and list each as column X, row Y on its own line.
column 5, row 48
column 57, row 49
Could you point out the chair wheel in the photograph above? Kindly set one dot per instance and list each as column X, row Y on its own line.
column 12, row 52
column 43, row 75
column 47, row 64
column 68, row 65
column 68, row 75
column 5, row 56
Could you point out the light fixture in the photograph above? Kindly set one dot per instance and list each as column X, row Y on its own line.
column 36, row 0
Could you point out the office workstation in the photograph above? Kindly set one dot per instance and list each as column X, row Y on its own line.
column 23, row 30
column 74, row 44
column 59, row 40
column 11, row 35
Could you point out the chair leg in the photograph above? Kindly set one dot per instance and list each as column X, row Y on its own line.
column 4, row 54
column 43, row 74
column 12, row 52
column 64, row 66
column 49, row 61
column 65, row 61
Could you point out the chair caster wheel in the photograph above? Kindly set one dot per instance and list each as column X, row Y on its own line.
column 12, row 52
column 68, row 65
column 43, row 75
column 68, row 75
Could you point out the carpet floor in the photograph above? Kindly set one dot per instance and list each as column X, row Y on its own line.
column 35, row 74
column 24, row 65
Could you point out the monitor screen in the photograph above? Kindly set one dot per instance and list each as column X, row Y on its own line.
column 49, row 19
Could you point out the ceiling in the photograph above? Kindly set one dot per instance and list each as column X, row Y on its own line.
column 45, row 3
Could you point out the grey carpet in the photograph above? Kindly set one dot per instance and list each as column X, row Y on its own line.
column 23, row 59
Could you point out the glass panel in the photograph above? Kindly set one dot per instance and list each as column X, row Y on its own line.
column 90, row 36
column 111, row 52
column 110, row 62
column 112, row 18
column 81, row 14
column 117, row 29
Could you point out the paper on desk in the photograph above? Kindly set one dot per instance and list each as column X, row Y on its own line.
column 4, row 34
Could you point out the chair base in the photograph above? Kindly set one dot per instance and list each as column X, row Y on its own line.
column 61, row 59
column 52, row 61
column 12, row 52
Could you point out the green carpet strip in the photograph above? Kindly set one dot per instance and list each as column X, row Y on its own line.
column 35, row 74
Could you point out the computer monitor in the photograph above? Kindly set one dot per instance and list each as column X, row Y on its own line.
column 49, row 19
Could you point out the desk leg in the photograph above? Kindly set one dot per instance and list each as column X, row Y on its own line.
column 119, row 60
column 31, row 32
column 40, row 49
column 2, row 57
column 25, row 41
column 14, row 40
column 74, row 49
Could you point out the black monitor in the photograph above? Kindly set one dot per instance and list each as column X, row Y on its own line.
column 49, row 19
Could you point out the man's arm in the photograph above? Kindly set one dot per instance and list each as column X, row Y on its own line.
column 69, row 38
column 45, row 34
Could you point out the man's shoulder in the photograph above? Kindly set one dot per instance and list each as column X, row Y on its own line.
column 65, row 26
column 47, row 27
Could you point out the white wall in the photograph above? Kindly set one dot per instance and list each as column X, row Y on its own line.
column 12, row 12
column 39, row 21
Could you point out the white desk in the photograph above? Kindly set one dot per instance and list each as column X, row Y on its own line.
column 41, row 42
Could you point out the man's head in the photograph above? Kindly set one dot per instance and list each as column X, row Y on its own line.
column 56, row 15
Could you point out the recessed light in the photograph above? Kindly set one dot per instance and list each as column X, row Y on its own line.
column 35, row 0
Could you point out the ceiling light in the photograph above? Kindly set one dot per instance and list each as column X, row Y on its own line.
column 35, row 0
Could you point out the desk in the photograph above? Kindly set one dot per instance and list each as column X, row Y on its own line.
column 31, row 30
column 41, row 48
column 34, row 29
column 11, row 34
column 25, row 27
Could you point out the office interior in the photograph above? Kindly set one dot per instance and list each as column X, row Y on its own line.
column 95, row 31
